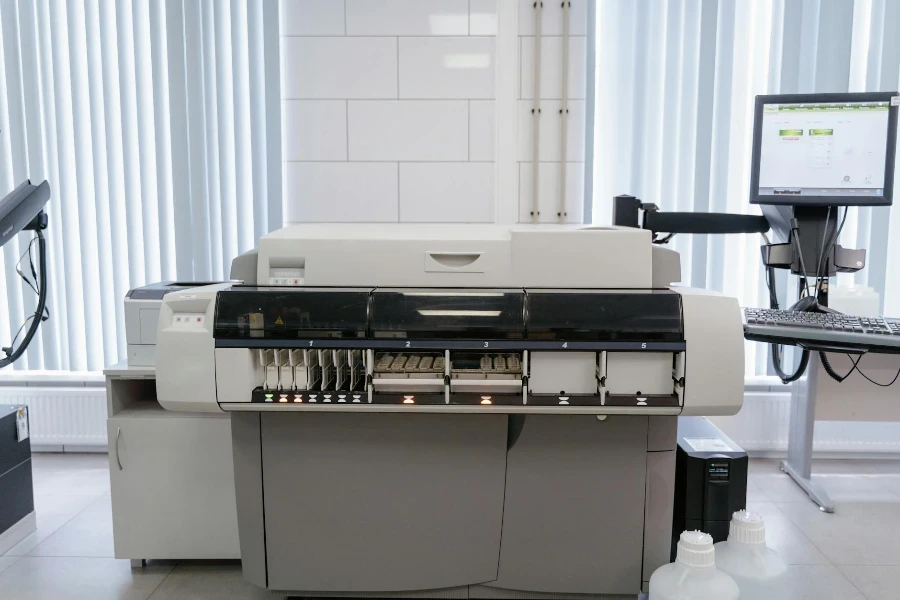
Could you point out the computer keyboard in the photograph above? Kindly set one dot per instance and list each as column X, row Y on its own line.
column 789, row 327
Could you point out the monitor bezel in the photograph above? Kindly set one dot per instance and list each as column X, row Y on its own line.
column 886, row 199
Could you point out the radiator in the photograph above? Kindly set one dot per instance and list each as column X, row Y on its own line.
column 62, row 416
column 762, row 426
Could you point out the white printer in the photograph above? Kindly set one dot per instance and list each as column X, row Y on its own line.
column 141, row 319
column 453, row 411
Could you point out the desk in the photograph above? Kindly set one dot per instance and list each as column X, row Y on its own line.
column 171, row 475
column 867, row 402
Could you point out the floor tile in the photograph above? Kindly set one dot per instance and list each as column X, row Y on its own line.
column 6, row 562
column 55, row 461
column 873, row 467
column 754, row 494
column 52, row 512
column 71, row 578
column 819, row 582
column 71, row 474
column 778, row 487
column 857, row 533
column 763, row 466
column 785, row 538
column 205, row 581
column 88, row 534
column 890, row 482
column 876, row 583
column 855, row 487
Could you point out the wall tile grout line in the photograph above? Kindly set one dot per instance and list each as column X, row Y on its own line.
column 347, row 129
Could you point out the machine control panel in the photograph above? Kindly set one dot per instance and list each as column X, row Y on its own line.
column 188, row 319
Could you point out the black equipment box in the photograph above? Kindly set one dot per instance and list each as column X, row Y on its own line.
column 16, row 488
column 710, row 480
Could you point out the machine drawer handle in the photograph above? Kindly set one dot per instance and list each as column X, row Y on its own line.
column 118, row 434
column 451, row 261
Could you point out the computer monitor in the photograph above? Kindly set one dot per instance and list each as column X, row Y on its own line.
column 824, row 149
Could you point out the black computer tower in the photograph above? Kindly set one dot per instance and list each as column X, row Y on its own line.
column 710, row 480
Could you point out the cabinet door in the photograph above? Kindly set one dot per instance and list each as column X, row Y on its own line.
column 173, row 496
column 382, row 502
column 573, row 518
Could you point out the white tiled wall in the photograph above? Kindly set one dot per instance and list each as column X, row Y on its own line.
column 413, row 130
column 447, row 192
column 388, row 110
column 550, row 119
column 340, row 191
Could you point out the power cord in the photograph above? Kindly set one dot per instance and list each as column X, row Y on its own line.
column 826, row 364
column 777, row 350
column 41, row 314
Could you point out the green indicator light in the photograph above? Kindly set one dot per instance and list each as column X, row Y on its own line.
column 269, row 395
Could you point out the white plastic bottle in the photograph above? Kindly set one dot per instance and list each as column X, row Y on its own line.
column 693, row 575
column 758, row 570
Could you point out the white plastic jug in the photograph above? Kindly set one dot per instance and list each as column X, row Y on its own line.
column 693, row 575
column 758, row 570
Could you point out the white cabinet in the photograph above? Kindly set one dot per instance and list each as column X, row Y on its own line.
column 171, row 477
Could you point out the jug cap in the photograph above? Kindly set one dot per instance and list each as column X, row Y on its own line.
column 695, row 549
column 747, row 528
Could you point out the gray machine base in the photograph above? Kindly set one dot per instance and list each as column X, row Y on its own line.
column 453, row 506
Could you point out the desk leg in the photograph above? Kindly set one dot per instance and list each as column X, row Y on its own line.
column 138, row 563
column 800, row 437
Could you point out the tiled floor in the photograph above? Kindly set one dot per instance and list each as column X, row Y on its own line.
column 853, row 554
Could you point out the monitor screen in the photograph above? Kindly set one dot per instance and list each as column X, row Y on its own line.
column 824, row 149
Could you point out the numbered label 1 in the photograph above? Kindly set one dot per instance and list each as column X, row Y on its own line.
column 310, row 343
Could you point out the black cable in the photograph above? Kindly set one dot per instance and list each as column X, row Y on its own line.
column 893, row 381
column 826, row 364
column 19, row 331
column 13, row 354
column 777, row 350
column 19, row 270
column 822, row 253
column 33, row 282
column 777, row 360
column 831, row 245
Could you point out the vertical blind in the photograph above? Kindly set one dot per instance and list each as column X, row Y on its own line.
column 158, row 126
column 675, row 86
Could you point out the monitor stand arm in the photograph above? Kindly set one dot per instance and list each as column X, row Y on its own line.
column 812, row 230
column 627, row 212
